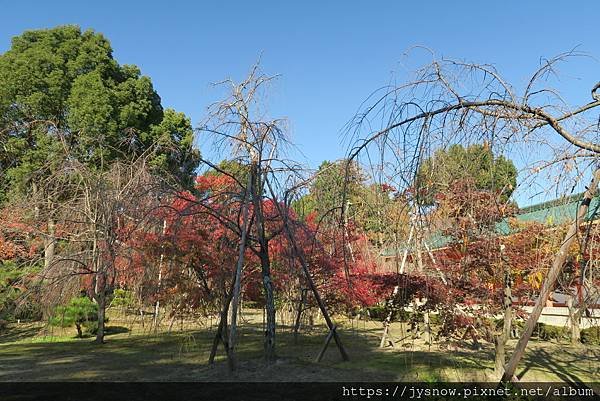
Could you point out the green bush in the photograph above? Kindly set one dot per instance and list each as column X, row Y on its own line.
column 377, row 312
column 249, row 304
column 12, row 306
column 123, row 298
column 380, row 312
column 547, row 332
column 81, row 312
column 435, row 319
column 591, row 335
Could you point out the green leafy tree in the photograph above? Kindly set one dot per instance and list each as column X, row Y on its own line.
column 476, row 162
column 376, row 209
column 326, row 194
column 381, row 213
column 64, row 98
column 60, row 88
column 80, row 311
column 14, row 280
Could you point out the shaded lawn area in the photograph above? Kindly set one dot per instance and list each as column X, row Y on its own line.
column 183, row 355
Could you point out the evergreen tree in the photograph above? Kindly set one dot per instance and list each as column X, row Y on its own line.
column 80, row 311
column 62, row 89
column 476, row 162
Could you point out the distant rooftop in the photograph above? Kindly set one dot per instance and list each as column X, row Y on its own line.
column 551, row 213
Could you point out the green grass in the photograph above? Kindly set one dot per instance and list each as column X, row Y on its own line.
column 31, row 352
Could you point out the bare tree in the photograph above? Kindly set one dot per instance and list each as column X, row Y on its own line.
column 258, row 147
column 255, row 142
column 451, row 102
column 102, row 211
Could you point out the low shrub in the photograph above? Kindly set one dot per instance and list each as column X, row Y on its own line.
column 591, row 335
column 123, row 298
column 380, row 312
column 377, row 312
column 81, row 312
column 252, row 305
column 547, row 332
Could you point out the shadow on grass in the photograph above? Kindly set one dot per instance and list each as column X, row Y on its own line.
column 112, row 330
column 18, row 332
column 183, row 356
column 576, row 365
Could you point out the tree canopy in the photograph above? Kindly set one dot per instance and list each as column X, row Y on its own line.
column 475, row 162
column 326, row 192
column 61, row 87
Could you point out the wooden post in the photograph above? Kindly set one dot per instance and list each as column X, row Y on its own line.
column 327, row 341
column 550, row 281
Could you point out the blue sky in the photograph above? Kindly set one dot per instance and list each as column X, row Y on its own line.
column 331, row 55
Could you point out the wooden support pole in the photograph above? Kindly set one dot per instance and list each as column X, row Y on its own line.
column 386, row 327
column 327, row 341
column 405, row 255
column 311, row 283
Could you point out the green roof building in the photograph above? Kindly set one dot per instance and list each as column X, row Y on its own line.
column 552, row 213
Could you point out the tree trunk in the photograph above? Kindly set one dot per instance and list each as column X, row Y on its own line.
column 79, row 332
column 270, row 307
column 508, row 315
column 499, row 353
column 299, row 314
column 159, row 283
column 388, row 320
column 550, row 281
column 49, row 244
column 501, row 340
column 238, row 278
column 428, row 336
column 101, row 298
column 220, row 335
column 574, row 316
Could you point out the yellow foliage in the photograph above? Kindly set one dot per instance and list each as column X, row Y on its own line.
column 535, row 279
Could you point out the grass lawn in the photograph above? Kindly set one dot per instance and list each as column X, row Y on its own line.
column 32, row 352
